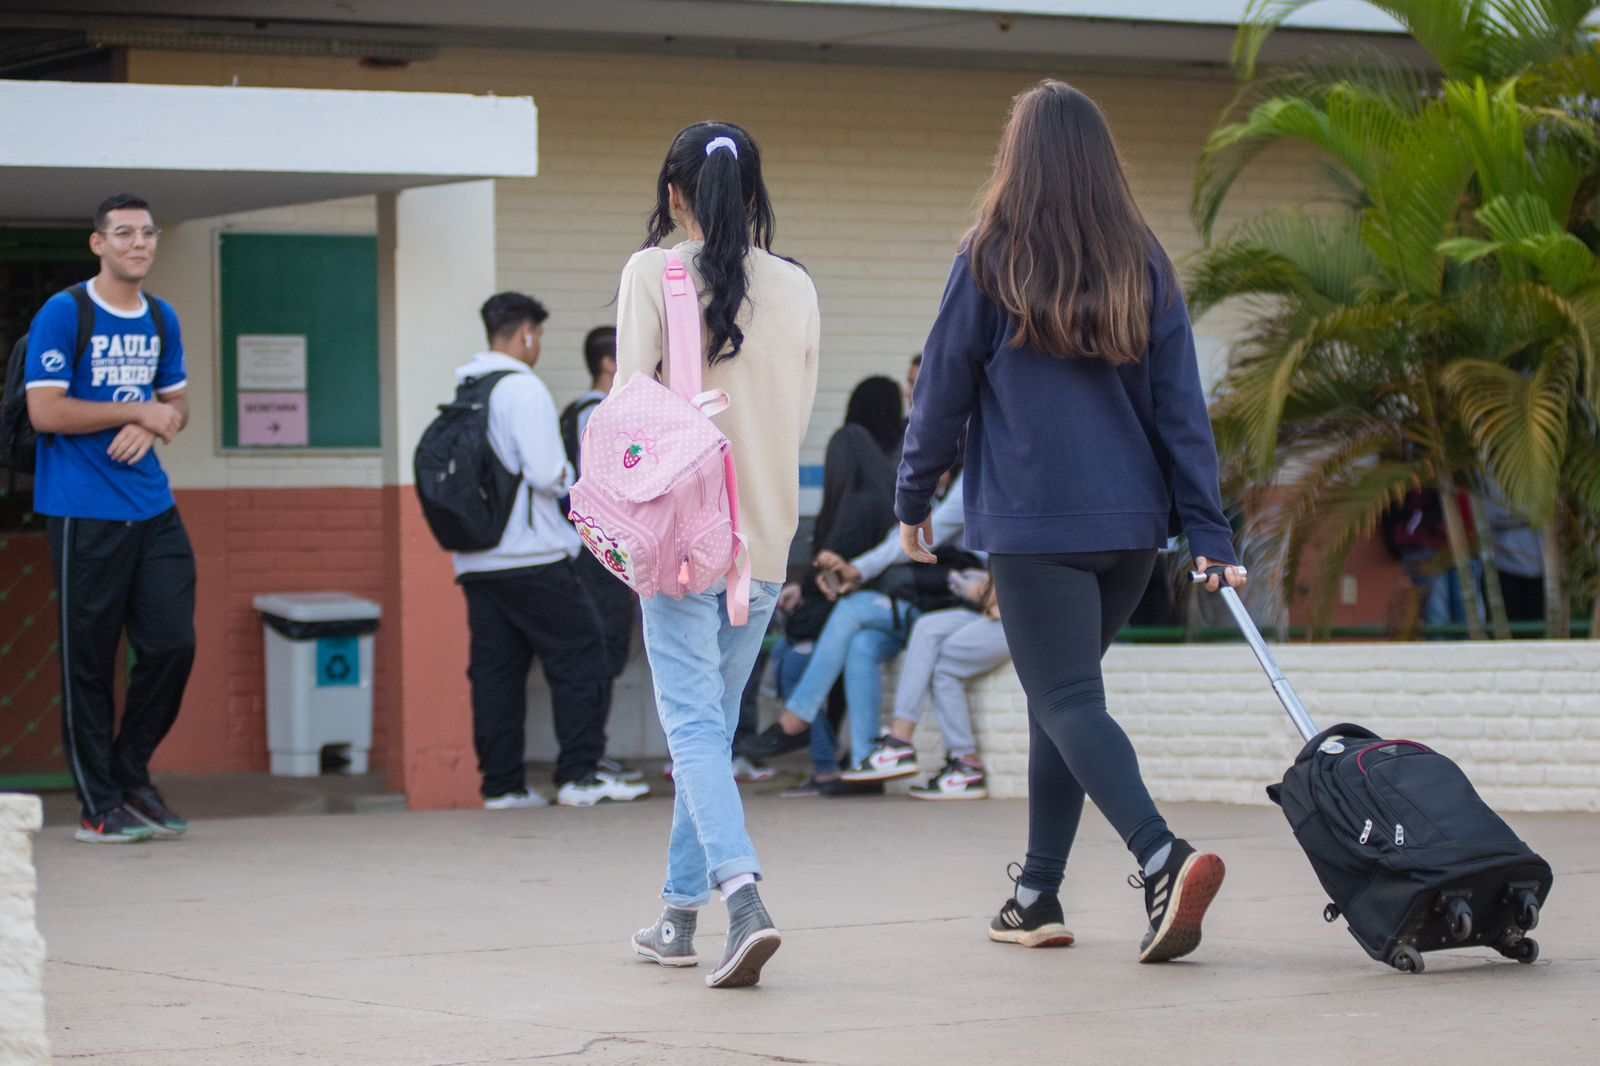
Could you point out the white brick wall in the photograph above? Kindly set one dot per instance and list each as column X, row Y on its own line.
column 22, row 1032
column 1522, row 719
column 874, row 171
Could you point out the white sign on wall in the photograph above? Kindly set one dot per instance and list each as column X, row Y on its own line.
column 271, row 362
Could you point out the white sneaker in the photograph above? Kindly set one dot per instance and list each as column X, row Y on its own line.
column 751, row 774
column 593, row 789
column 515, row 801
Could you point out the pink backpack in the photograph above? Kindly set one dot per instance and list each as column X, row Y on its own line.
column 658, row 502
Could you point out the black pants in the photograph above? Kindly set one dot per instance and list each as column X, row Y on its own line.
column 544, row 613
column 617, row 604
column 1061, row 613
column 111, row 577
column 1524, row 597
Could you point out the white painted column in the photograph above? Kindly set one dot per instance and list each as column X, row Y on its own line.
column 22, row 1031
column 436, row 266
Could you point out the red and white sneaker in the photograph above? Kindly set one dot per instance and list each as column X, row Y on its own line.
column 889, row 759
column 959, row 780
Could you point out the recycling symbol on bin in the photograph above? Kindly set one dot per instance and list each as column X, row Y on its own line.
column 337, row 668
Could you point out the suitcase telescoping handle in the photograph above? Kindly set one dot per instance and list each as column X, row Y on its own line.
column 1280, row 684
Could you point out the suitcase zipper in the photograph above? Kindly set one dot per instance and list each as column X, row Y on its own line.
column 1366, row 831
column 1361, row 756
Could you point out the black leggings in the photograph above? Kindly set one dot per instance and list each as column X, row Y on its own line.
column 1060, row 614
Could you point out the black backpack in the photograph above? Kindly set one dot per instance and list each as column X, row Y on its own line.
column 467, row 493
column 569, row 426
column 18, row 441
column 1407, row 850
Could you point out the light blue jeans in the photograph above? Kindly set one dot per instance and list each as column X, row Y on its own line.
column 861, row 635
column 700, row 663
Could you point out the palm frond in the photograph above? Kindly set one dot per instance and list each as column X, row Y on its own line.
column 1526, row 33
column 1316, row 259
column 1454, row 32
column 1356, row 126
column 1519, row 422
column 1524, row 228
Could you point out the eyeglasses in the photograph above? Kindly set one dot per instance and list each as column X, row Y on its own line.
column 127, row 234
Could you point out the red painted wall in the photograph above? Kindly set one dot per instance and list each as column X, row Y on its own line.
column 250, row 541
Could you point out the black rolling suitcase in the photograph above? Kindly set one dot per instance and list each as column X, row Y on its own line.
column 1408, row 852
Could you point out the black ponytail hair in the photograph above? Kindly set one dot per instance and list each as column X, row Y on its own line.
column 725, row 192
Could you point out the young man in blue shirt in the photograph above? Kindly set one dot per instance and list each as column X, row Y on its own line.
column 100, row 403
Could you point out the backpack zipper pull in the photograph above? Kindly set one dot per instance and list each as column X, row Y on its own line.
column 1366, row 831
column 1399, row 835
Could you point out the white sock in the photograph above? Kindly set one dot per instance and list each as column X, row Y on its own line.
column 1158, row 860
column 734, row 884
column 1028, row 896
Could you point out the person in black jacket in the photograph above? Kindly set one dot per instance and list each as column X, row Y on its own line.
column 1064, row 350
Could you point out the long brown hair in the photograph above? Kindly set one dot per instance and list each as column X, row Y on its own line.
column 1059, row 242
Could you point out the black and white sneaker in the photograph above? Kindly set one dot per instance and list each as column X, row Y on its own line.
column 1176, row 897
column 1041, row 925
column 616, row 768
column 959, row 780
column 772, row 742
column 596, row 787
column 889, row 760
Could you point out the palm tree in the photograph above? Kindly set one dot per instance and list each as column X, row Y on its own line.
column 1355, row 368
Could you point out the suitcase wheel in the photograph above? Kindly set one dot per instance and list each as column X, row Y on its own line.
column 1525, row 951
column 1459, row 912
column 1408, row 959
column 1527, row 911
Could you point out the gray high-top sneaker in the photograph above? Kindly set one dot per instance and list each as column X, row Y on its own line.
column 752, row 939
column 670, row 941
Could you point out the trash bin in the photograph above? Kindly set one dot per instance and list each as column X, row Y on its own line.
column 319, row 678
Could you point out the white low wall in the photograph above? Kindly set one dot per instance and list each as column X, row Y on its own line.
column 22, row 1033
column 1522, row 719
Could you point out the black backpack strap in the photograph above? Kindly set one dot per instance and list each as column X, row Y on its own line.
column 478, row 389
column 85, row 306
column 159, row 317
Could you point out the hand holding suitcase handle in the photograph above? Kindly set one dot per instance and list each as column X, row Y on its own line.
column 1214, row 574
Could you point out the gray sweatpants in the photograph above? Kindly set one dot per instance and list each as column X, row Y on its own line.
column 947, row 649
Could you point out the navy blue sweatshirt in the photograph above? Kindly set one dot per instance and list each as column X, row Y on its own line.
column 1065, row 455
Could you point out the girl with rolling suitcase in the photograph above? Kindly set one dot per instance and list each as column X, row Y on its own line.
column 1064, row 349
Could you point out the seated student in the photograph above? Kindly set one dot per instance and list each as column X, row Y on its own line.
column 947, row 649
column 868, row 627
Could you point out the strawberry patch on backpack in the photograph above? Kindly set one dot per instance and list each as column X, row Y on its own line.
column 637, row 448
column 604, row 547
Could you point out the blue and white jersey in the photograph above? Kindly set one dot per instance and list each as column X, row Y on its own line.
column 123, row 362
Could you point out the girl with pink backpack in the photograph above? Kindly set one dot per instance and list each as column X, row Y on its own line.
column 691, row 495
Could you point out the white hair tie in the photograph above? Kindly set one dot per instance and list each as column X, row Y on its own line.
column 723, row 142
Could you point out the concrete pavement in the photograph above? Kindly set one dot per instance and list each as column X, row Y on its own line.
column 477, row 938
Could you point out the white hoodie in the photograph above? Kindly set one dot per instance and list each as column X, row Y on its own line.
column 525, row 433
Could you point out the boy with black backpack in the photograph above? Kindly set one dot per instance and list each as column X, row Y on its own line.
column 490, row 472
column 101, row 383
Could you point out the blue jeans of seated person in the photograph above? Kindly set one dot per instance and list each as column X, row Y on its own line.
column 700, row 663
column 865, row 631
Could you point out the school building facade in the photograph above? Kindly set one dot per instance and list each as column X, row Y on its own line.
column 877, row 124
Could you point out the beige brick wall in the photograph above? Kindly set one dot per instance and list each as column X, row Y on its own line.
column 22, row 1022
column 1523, row 721
column 874, row 171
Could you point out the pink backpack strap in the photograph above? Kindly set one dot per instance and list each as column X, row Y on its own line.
column 685, row 359
column 685, row 350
